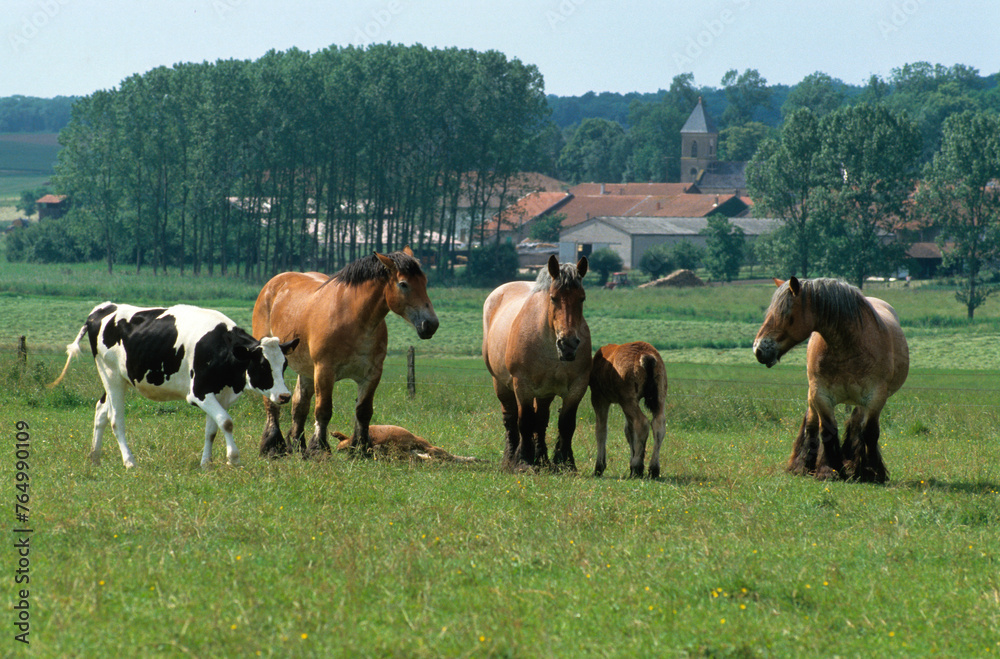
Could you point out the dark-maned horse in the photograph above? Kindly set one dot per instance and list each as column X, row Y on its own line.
column 536, row 345
column 623, row 375
column 857, row 355
column 340, row 322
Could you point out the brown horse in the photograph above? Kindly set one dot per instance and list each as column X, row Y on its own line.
column 340, row 322
column 536, row 345
column 857, row 355
column 395, row 441
column 624, row 375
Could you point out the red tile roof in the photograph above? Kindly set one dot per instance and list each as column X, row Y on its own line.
column 528, row 208
column 661, row 200
column 51, row 199
column 586, row 200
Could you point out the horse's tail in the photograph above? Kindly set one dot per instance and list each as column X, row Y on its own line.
column 651, row 387
column 72, row 350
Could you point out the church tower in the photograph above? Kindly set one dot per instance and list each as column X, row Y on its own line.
column 699, row 144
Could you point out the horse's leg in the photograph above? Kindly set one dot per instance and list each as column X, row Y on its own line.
column 323, row 381
column 832, row 465
column 805, row 447
column 870, row 468
column 852, row 446
column 361, row 441
column 508, row 407
column 272, row 443
column 543, row 407
column 524, row 454
column 301, row 399
column 601, row 407
column 636, row 431
column 659, row 425
column 563, row 454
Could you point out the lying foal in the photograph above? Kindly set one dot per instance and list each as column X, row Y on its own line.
column 624, row 374
column 397, row 441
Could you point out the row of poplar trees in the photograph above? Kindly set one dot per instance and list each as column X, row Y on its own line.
column 299, row 160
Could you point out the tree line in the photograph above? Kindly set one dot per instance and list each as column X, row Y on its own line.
column 295, row 160
column 633, row 137
column 30, row 114
column 854, row 189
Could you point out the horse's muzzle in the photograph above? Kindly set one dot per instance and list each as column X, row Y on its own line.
column 284, row 398
column 567, row 348
column 426, row 328
column 766, row 352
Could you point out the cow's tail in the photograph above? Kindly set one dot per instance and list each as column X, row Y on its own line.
column 651, row 388
column 72, row 350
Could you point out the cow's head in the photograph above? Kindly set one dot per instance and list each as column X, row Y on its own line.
column 266, row 367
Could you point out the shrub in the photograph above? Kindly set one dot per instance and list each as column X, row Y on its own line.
column 492, row 264
column 604, row 262
column 657, row 261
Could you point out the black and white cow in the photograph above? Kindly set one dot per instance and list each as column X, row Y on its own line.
column 177, row 353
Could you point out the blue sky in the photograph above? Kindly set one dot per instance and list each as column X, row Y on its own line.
column 60, row 47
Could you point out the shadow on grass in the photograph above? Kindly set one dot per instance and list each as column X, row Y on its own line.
column 973, row 487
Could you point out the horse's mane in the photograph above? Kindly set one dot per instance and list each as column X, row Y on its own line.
column 569, row 277
column 831, row 300
column 369, row 268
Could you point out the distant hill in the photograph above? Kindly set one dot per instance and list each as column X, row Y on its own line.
column 571, row 110
column 28, row 153
column 30, row 114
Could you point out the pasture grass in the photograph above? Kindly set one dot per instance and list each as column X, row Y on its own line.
column 725, row 555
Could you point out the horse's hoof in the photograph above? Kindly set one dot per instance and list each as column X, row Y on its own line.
column 654, row 472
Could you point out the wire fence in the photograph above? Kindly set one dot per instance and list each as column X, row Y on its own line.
column 425, row 368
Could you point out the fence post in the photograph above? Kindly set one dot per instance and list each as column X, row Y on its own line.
column 411, row 375
column 22, row 352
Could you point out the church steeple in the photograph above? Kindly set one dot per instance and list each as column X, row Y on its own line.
column 699, row 142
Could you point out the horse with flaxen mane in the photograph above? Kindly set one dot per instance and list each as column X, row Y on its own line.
column 340, row 321
column 536, row 345
column 857, row 355
column 623, row 375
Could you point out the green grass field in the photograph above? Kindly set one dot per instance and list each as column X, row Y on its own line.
column 725, row 555
column 26, row 163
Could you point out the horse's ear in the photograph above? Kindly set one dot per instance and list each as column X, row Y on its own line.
column 778, row 282
column 582, row 265
column 794, row 286
column 387, row 262
column 553, row 266
column 408, row 251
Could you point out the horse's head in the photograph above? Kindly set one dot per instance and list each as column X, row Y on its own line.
column 565, row 305
column 406, row 292
column 788, row 322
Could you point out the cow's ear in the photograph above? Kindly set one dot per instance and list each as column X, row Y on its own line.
column 242, row 353
column 288, row 346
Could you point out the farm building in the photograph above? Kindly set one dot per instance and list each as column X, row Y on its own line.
column 586, row 201
column 51, row 206
column 630, row 237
